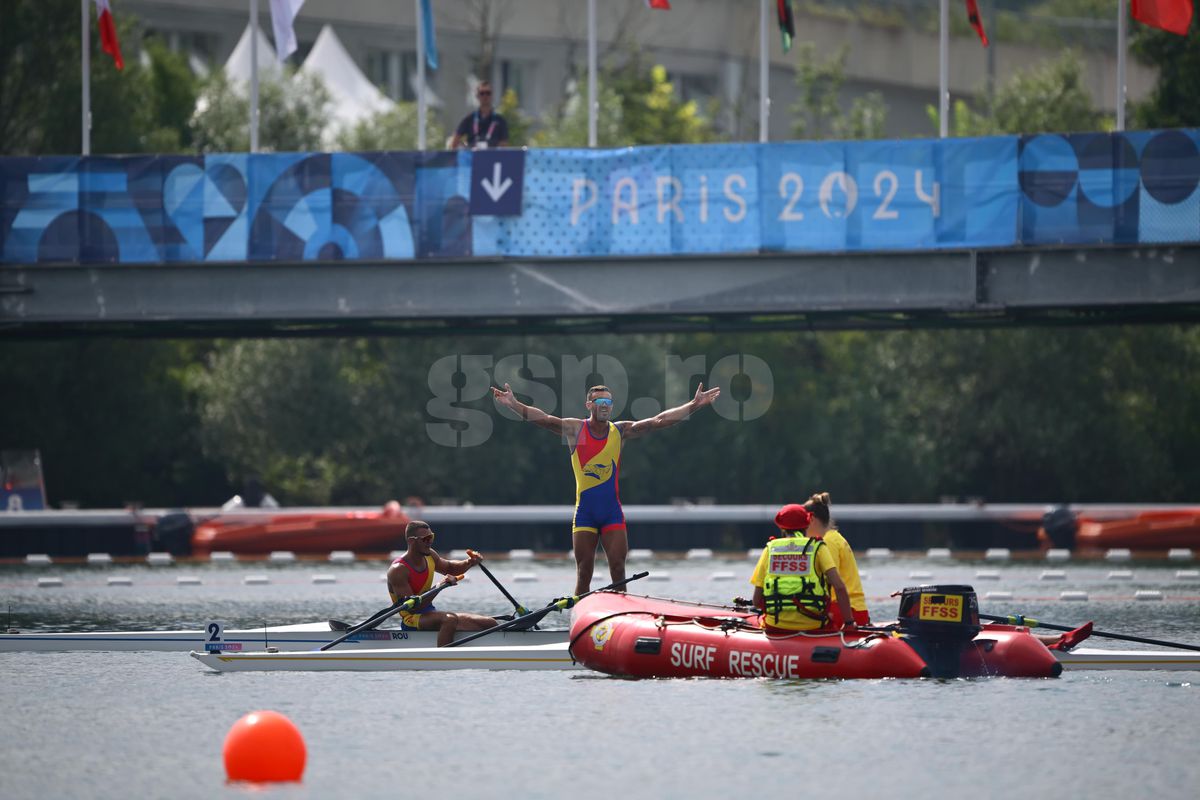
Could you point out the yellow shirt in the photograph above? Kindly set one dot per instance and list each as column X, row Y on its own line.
column 793, row 620
column 847, row 567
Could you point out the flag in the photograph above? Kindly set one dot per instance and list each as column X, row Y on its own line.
column 976, row 21
column 431, row 56
column 108, row 33
column 787, row 23
column 661, row 5
column 1169, row 15
column 283, row 19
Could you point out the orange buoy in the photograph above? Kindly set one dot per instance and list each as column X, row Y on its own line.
column 264, row 746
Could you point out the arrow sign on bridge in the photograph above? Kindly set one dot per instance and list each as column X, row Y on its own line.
column 497, row 181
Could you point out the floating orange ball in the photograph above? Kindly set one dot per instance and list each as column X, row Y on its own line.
column 264, row 746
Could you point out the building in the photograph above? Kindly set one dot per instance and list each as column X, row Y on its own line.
column 709, row 47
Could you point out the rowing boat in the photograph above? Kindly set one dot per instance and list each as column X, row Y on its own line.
column 486, row 655
column 1094, row 658
column 215, row 638
column 554, row 656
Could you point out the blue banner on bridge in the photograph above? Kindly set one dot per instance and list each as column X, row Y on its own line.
column 1128, row 188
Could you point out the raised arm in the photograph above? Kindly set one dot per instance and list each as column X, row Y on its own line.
column 665, row 419
column 563, row 427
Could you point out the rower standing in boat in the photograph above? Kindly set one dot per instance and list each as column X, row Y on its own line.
column 843, row 558
column 596, row 458
column 412, row 574
column 791, row 579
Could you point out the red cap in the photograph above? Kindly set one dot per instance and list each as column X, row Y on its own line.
column 793, row 517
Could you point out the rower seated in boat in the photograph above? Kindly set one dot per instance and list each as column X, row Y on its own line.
column 792, row 578
column 412, row 574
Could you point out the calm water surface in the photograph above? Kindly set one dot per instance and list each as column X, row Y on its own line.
column 152, row 724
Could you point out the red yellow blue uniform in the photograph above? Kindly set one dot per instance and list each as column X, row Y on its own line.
column 597, row 465
column 419, row 582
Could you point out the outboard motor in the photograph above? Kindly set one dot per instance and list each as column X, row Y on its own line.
column 1060, row 526
column 174, row 532
column 939, row 622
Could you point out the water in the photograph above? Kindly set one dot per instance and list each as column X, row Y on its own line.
column 152, row 724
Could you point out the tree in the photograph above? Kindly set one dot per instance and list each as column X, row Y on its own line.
column 142, row 108
column 1047, row 98
column 638, row 106
column 391, row 130
column 292, row 115
column 1175, row 100
column 819, row 114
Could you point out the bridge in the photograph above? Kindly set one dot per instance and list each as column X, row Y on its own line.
column 1048, row 229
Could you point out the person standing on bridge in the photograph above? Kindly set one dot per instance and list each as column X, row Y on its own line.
column 482, row 128
column 596, row 444
column 412, row 574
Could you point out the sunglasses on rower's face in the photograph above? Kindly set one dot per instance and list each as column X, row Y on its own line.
column 602, row 401
column 427, row 538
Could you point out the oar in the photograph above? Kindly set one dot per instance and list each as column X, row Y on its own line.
column 406, row 603
column 1033, row 623
column 531, row 619
column 521, row 610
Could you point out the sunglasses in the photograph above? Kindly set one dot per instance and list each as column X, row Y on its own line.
column 602, row 401
column 427, row 538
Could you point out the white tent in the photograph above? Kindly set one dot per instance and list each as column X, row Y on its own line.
column 354, row 96
column 237, row 66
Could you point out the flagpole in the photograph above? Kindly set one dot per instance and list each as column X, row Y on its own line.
column 253, row 76
column 1122, row 46
column 592, row 102
column 944, row 69
column 764, row 73
column 420, row 75
column 85, row 61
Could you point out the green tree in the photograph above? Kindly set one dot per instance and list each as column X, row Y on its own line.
column 392, row 130
column 112, row 418
column 292, row 114
column 637, row 106
column 519, row 123
column 819, row 115
column 134, row 110
column 1047, row 98
column 1175, row 100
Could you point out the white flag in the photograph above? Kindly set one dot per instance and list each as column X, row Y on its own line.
column 283, row 15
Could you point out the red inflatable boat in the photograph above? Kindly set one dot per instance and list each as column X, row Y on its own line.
column 323, row 532
column 646, row 637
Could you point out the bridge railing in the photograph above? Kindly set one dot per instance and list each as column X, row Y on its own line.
column 993, row 192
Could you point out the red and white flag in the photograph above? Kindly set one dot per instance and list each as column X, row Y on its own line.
column 108, row 33
column 661, row 5
column 1169, row 15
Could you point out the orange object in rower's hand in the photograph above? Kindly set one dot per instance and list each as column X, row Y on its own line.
column 263, row 747
column 474, row 554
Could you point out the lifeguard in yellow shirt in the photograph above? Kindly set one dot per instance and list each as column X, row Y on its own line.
column 596, row 444
column 843, row 558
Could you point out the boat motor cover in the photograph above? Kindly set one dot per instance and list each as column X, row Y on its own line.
column 940, row 612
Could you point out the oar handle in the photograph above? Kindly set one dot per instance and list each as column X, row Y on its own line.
column 1018, row 619
column 404, row 604
column 533, row 618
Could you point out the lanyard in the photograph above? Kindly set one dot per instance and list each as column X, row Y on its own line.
column 491, row 128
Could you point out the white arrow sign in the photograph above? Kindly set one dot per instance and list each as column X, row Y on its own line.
column 496, row 188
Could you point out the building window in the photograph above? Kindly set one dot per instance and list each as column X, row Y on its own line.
column 395, row 73
column 695, row 86
column 519, row 76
